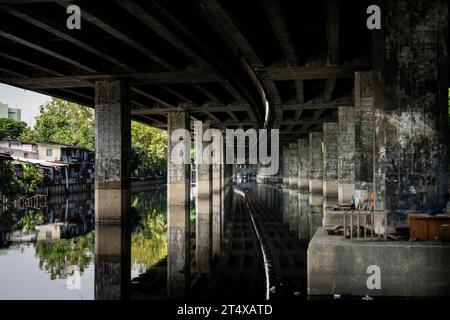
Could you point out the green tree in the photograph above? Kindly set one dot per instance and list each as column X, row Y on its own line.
column 64, row 122
column 149, row 150
column 11, row 129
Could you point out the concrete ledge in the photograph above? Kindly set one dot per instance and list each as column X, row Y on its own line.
column 407, row 269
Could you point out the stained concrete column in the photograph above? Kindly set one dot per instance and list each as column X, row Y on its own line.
column 178, row 211
column 303, row 221
column 303, row 165
column 216, row 209
column 346, row 154
column 293, row 165
column 410, row 89
column 364, row 129
column 285, row 159
column 315, row 162
column 223, row 198
column 112, row 190
column 203, row 231
column 330, row 159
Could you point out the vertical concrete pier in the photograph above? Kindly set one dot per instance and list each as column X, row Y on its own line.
column 112, row 190
column 203, row 231
column 303, row 165
column 315, row 162
column 303, row 221
column 364, row 129
column 330, row 159
column 346, row 154
column 411, row 109
column 286, row 161
column 178, row 212
column 293, row 166
column 216, row 209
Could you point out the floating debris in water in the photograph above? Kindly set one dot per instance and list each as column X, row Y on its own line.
column 337, row 296
column 296, row 293
column 367, row 297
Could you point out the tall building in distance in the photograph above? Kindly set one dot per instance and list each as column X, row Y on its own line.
column 6, row 112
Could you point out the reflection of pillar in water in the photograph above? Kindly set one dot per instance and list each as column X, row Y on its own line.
column 303, row 221
column 316, row 213
column 294, row 211
column 286, row 206
column 178, row 212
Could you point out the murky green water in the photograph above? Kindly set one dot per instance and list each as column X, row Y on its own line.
column 55, row 268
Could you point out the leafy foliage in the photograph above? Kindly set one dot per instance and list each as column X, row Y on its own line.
column 149, row 231
column 11, row 129
column 31, row 178
column 57, row 256
column 64, row 122
column 149, row 150
column 29, row 220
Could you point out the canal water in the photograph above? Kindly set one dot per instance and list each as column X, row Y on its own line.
column 60, row 264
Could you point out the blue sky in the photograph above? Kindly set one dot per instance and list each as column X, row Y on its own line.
column 26, row 100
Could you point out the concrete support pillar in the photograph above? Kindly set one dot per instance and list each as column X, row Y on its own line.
column 216, row 209
column 315, row 162
column 346, row 156
column 203, row 231
column 303, row 165
column 293, row 165
column 410, row 90
column 112, row 190
column 285, row 159
column 330, row 159
column 286, row 206
column 178, row 213
column 364, row 134
column 223, row 198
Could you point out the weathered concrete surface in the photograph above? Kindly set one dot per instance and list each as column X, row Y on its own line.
column 285, row 152
column 364, row 135
column 315, row 162
column 286, row 208
column 178, row 211
column 346, row 157
column 330, row 159
column 204, row 208
column 293, row 166
column 303, row 221
column 407, row 269
column 216, row 209
column 303, row 164
column 410, row 89
column 112, row 189
column 315, row 213
column 294, row 210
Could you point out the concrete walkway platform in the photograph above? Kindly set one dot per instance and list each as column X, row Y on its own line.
column 406, row 268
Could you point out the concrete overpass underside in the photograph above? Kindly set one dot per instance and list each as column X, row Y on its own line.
column 359, row 111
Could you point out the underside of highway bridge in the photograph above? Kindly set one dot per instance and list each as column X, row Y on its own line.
column 360, row 111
